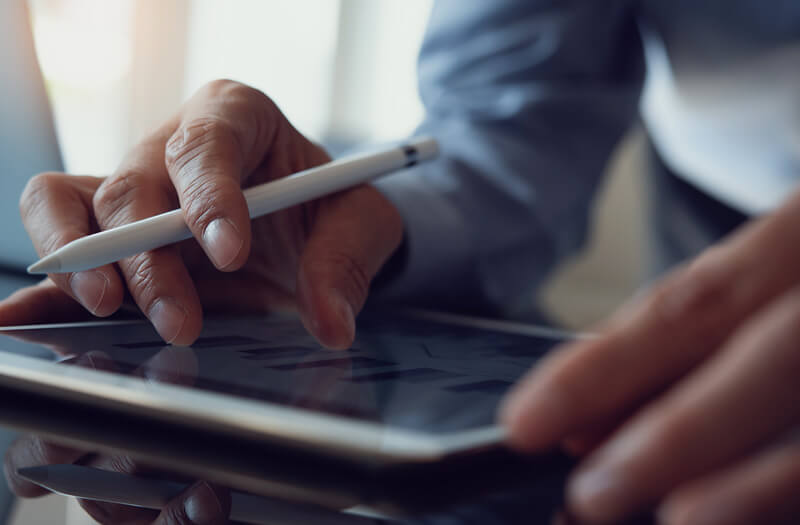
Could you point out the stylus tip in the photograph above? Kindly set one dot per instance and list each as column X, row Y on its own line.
column 49, row 264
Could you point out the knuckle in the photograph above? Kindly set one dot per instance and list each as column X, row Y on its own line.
column 219, row 86
column 197, row 142
column 38, row 192
column 233, row 92
column 205, row 199
column 143, row 284
column 252, row 112
column 117, row 193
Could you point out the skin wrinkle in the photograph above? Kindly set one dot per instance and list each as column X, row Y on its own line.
column 281, row 240
column 42, row 190
column 119, row 195
column 113, row 194
column 34, row 196
column 52, row 227
column 196, row 138
column 142, row 283
column 204, row 208
column 265, row 107
column 57, row 239
column 202, row 211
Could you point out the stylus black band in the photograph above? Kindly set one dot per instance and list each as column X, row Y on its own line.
column 412, row 156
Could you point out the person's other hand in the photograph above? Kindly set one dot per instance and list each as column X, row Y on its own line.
column 689, row 398
column 317, row 258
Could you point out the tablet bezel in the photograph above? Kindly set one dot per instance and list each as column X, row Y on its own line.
column 361, row 441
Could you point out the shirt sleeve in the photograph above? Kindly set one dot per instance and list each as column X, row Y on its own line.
column 527, row 99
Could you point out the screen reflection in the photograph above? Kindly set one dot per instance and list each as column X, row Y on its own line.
column 402, row 370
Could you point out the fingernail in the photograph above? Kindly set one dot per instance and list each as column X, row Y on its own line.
column 596, row 492
column 223, row 242
column 89, row 287
column 168, row 318
column 202, row 506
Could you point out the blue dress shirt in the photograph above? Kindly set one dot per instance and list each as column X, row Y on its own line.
column 528, row 99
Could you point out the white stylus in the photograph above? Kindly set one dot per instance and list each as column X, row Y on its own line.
column 167, row 228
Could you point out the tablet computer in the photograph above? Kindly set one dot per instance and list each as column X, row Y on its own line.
column 404, row 419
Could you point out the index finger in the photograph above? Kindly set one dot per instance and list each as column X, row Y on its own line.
column 225, row 131
column 56, row 210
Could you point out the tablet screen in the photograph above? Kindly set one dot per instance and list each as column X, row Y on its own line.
column 406, row 371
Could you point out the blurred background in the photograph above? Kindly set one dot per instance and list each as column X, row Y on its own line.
column 343, row 71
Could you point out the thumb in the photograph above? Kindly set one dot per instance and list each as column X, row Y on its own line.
column 353, row 235
column 40, row 303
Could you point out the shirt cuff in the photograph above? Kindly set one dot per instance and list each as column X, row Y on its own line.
column 436, row 262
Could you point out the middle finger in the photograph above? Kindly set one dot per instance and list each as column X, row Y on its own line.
column 158, row 280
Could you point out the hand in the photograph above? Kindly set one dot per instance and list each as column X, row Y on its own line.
column 200, row 503
column 317, row 258
column 689, row 398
